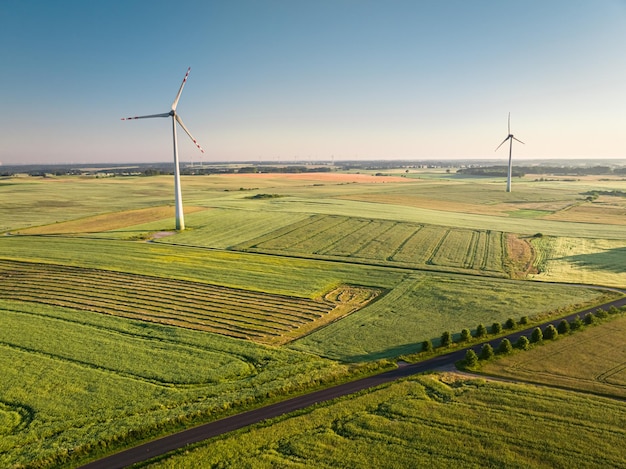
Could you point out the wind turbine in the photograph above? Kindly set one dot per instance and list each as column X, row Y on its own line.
column 510, row 137
column 180, row 217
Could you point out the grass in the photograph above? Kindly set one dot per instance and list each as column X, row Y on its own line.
column 73, row 381
column 424, row 305
column 591, row 261
column 243, row 314
column 387, row 242
column 593, row 361
column 132, row 378
column 430, row 421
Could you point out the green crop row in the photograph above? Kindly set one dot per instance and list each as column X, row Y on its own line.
column 388, row 242
column 194, row 305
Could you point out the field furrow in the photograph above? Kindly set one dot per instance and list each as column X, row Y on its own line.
column 237, row 313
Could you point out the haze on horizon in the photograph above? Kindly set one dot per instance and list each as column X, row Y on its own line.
column 283, row 80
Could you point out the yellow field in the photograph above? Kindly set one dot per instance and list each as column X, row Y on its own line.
column 582, row 260
column 108, row 221
column 594, row 360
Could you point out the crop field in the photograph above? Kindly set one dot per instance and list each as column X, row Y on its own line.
column 593, row 361
column 389, row 243
column 423, row 305
column 590, row 261
column 78, row 381
column 115, row 327
column 437, row 421
column 242, row 314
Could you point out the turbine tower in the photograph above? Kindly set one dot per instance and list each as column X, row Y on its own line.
column 180, row 217
column 510, row 137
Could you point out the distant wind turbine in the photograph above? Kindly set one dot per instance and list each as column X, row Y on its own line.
column 180, row 217
column 510, row 138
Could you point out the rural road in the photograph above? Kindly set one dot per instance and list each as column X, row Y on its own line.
column 209, row 430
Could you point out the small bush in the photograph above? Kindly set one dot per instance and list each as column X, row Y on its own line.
column 446, row 339
column 427, row 346
column 486, row 352
column 496, row 328
column 602, row 313
column 481, row 331
column 471, row 359
column 466, row 335
column 536, row 336
column 523, row 343
column 505, row 347
column 550, row 332
column 613, row 310
column 589, row 319
column 510, row 323
column 523, row 320
column 563, row 327
column 576, row 323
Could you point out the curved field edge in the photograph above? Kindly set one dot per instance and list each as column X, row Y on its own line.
column 77, row 383
column 433, row 420
column 592, row 360
column 423, row 305
column 262, row 317
column 303, row 278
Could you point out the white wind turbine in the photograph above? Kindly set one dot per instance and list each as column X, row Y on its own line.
column 180, row 217
column 510, row 137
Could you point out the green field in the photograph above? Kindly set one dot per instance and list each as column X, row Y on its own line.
column 74, row 381
column 434, row 421
column 115, row 328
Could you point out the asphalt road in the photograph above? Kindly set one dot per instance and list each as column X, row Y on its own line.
column 193, row 435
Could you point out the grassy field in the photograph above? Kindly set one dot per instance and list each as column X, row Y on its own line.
column 434, row 421
column 75, row 381
column 593, row 361
column 276, row 268
column 422, row 306
column 243, row 314
column 591, row 261
column 418, row 306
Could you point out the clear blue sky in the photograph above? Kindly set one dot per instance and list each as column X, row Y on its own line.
column 284, row 79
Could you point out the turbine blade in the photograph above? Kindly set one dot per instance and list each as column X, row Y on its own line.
column 503, row 141
column 180, row 121
column 167, row 114
column 509, row 123
column 518, row 140
column 182, row 85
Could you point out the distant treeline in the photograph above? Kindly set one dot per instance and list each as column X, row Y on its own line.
column 496, row 171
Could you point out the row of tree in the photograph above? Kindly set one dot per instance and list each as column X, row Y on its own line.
column 537, row 336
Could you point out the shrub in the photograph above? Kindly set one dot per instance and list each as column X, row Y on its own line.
column 486, row 352
column 427, row 346
column 550, row 332
column 563, row 327
column 523, row 320
column 471, row 359
column 505, row 347
column 536, row 336
column 523, row 343
column 602, row 313
column 576, row 323
column 496, row 328
column 446, row 339
column 510, row 323
column 466, row 335
column 481, row 331
column 613, row 310
column 589, row 319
